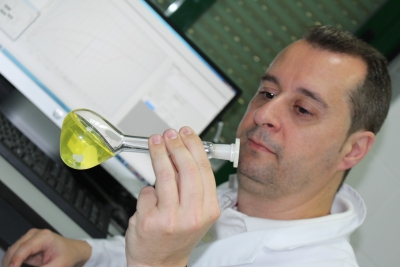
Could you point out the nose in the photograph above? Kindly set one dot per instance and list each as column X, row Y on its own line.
column 270, row 115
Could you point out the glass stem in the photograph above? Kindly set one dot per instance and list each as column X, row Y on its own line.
column 141, row 145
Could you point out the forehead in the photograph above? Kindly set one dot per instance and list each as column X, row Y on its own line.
column 322, row 71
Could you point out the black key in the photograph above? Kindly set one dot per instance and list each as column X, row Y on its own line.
column 93, row 219
column 69, row 185
column 79, row 199
column 39, row 168
column 51, row 182
column 101, row 223
column 18, row 151
column 67, row 196
column 86, row 206
column 94, row 214
column 55, row 170
column 30, row 147
column 60, row 187
column 8, row 142
column 40, row 157
column 28, row 160
column 63, row 176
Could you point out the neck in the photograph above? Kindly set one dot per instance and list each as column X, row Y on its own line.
column 301, row 205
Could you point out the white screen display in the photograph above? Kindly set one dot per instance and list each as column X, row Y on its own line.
column 115, row 57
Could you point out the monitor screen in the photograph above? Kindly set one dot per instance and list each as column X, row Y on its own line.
column 118, row 58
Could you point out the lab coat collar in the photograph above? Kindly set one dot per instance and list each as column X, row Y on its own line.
column 347, row 213
column 235, row 250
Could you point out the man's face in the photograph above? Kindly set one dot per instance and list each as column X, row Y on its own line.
column 295, row 126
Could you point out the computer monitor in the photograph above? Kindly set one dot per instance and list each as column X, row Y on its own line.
column 118, row 58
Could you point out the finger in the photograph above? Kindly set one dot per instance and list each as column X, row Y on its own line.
column 194, row 144
column 11, row 250
column 190, row 183
column 40, row 242
column 165, row 187
column 31, row 246
column 147, row 200
column 146, row 207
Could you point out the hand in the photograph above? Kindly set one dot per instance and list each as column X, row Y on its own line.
column 45, row 248
column 171, row 218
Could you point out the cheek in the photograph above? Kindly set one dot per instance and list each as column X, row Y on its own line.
column 319, row 142
column 246, row 123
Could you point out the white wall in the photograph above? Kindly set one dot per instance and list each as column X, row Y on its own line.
column 377, row 179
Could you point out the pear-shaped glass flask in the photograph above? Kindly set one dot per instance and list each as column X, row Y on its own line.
column 87, row 139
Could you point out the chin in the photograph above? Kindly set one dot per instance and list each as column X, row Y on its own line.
column 263, row 173
column 264, row 188
column 257, row 172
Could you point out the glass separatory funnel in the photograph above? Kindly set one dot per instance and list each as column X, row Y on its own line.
column 87, row 139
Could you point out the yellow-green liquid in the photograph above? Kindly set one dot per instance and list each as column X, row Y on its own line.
column 81, row 147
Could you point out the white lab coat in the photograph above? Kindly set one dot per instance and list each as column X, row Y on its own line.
column 239, row 240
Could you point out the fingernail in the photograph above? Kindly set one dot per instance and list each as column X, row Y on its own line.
column 156, row 139
column 186, row 130
column 171, row 134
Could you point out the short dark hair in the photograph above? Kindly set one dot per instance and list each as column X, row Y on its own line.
column 369, row 102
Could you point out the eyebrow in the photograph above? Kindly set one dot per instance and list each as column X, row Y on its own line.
column 270, row 78
column 304, row 91
column 313, row 95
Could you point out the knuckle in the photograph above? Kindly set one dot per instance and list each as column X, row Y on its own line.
column 165, row 174
column 214, row 214
column 46, row 234
column 144, row 225
column 196, row 223
column 204, row 164
column 158, row 152
column 191, row 168
column 32, row 231
column 175, row 143
column 23, row 247
column 132, row 221
column 170, row 225
column 147, row 226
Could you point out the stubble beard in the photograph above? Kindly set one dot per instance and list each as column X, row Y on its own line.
column 257, row 176
column 280, row 177
column 269, row 178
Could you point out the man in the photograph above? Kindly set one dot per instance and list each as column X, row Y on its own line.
column 314, row 117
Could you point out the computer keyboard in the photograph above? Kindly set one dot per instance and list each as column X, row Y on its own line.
column 55, row 180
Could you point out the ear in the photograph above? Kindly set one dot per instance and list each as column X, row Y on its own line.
column 355, row 148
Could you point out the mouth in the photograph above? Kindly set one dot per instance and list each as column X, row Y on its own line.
column 258, row 146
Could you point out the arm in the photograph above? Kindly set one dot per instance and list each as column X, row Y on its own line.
column 40, row 247
column 172, row 217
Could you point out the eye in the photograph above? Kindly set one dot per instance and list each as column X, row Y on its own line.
column 303, row 111
column 268, row 95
